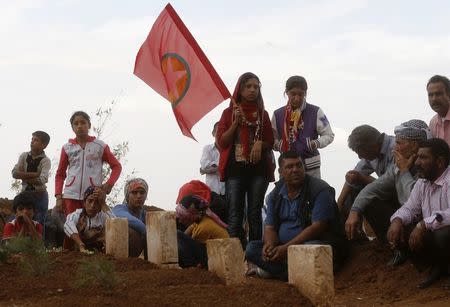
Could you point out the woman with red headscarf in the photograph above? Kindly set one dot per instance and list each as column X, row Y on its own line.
column 246, row 165
column 202, row 224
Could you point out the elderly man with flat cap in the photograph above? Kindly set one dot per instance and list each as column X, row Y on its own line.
column 381, row 198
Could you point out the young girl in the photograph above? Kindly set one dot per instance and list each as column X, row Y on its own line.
column 86, row 227
column 81, row 164
column 245, row 139
column 301, row 127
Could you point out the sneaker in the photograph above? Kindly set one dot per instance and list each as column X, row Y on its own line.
column 251, row 269
column 398, row 258
column 263, row 274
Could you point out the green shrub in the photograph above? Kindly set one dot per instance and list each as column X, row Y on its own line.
column 34, row 261
column 96, row 272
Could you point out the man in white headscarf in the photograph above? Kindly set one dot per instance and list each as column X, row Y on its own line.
column 381, row 198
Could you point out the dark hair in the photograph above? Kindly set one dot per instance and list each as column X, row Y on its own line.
column 290, row 154
column 296, row 81
column 25, row 199
column 438, row 148
column 363, row 136
column 82, row 114
column 43, row 136
column 441, row 79
column 90, row 190
column 242, row 80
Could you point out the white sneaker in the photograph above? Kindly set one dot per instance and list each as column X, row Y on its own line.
column 263, row 274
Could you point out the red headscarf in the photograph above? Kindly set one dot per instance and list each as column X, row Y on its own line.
column 203, row 193
column 265, row 132
column 252, row 114
column 195, row 187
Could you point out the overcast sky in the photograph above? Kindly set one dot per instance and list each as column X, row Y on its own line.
column 366, row 62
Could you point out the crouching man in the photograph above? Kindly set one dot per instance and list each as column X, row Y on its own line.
column 423, row 222
column 300, row 210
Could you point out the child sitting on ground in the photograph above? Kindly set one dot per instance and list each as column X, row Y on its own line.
column 23, row 224
column 33, row 169
column 86, row 226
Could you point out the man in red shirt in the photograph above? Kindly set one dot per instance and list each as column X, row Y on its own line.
column 23, row 225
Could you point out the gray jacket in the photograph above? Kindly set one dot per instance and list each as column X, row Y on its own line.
column 392, row 184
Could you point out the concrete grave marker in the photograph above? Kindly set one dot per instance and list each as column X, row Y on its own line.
column 162, row 245
column 226, row 259
column 116, row 237
column 310, row 269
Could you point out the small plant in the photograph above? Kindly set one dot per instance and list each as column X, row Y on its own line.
column 34, row 260
column 36, row 264
column 96, row 272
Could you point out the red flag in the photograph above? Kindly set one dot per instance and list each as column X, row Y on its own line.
column 171, row 62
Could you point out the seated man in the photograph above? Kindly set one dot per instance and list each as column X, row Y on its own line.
column 133, row 209
column 201, row 224
column 23, row 225
column 379, row 199
column 301, row 210
column 428, row 209
column 375, row 151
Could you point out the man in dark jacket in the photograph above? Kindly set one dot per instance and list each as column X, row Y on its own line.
column 301, row 210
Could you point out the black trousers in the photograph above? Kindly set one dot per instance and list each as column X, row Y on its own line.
column 435, row 251
column 378, row 213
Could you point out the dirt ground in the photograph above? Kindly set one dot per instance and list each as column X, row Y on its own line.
column 365, row 281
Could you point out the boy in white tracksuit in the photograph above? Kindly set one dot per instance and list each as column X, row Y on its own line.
column 86, row 226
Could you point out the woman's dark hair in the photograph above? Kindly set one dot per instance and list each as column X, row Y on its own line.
column 296, row 81
column 82, row 114
column 242, row 80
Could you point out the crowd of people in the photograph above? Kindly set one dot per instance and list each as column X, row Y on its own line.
column 407, row 204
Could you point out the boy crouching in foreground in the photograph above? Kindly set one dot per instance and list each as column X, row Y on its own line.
column 23, row 224
column 86, row 227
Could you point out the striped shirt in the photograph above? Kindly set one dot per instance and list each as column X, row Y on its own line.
column 440, row 127
column 427, row 199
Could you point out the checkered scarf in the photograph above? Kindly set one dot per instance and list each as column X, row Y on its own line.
column 414, row 130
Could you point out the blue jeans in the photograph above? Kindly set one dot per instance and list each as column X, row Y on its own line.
column 237, row 189
column 41, row 207
column 190, row 252
column 253, row 253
